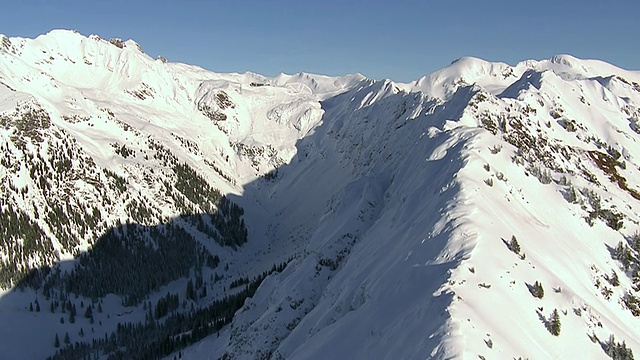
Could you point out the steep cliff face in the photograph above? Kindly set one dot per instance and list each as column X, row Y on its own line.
column 484, row 210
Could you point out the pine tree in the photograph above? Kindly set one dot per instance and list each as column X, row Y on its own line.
column 514, row 245
column 67, row 339
column 554, row 323
column 613, row 279
column 536, row 290
column 572, row 196
column 37, row 306
column 635, row 278
column 56, row 341
column 191, row 294
column 89, row 312
column 622, row 254
column 610, row 346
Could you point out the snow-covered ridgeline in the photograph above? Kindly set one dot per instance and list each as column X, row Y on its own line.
column 488, row 309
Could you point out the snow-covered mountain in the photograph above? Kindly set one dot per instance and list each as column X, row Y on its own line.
column 154, row 209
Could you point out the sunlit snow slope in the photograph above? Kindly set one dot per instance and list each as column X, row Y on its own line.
column 482, row 211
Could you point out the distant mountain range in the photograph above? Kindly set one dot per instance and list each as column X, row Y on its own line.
column 151, row 209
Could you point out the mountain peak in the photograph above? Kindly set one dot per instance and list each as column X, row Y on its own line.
column 464, row 71
column 566, row 59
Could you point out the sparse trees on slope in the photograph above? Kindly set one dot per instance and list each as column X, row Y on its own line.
column 617, row 351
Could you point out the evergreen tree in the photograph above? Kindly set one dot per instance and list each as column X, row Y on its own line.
column 623, row 254
column 610, row 346
column 37, row 306
column 536, row 290
column 67, row 339
column 56, row 341
column 635, row 278
column 89, row 312
column 613, row 279
column 190, row 294
column 554, row 323
column 514, row 245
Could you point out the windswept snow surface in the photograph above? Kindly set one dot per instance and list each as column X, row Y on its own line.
column 395, row 204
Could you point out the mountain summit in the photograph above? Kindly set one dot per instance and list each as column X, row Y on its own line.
column 152, row 209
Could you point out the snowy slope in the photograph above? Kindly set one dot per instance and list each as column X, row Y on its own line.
column 395, row 206
column 433, row 208
column 106, row 141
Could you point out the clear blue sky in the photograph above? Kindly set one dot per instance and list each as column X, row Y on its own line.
column 401, row 40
